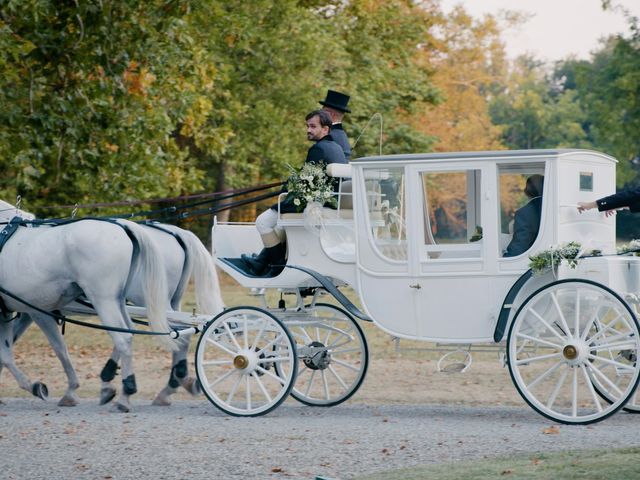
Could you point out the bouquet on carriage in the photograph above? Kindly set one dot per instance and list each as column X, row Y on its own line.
column 310, row 185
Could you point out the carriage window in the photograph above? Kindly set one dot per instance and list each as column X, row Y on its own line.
column 586, row 181
column 520, row 206
column 452, row 214
column 386, row 209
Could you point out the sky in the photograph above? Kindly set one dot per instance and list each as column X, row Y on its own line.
column 558, row 28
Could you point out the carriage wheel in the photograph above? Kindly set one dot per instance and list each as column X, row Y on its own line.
column 236, row 360
column 333, row 355
column 560, row 347
column 609, row 394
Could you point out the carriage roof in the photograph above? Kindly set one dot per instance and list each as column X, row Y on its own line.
column 524, row 155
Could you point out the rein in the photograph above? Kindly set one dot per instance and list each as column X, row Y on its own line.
column 178, row 216
column 170, row 212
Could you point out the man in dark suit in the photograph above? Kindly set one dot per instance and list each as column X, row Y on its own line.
column 324, row 150
column 335, row 104
column 627, row 198
column 527, row 219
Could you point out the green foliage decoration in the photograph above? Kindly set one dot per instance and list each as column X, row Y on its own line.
column 568, row 252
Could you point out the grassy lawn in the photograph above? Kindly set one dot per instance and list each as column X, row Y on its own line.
column 592, row 465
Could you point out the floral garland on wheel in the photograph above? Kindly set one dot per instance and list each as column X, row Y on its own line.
column 571, row 252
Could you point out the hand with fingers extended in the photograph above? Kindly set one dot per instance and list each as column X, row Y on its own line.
column 584, row 206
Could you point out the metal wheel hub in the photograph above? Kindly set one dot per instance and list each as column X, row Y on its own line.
column 575, row 352
column 246, row 361
column 318, row 357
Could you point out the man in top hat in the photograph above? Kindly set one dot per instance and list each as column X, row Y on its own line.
column 335, row 104
column 324, row 150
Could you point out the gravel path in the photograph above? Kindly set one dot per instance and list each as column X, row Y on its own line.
column 192, row 439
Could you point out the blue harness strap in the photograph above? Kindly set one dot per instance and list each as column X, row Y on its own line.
column 6, row 233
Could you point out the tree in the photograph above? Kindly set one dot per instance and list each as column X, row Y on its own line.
column 382, row 70
column 112, row 100
column 535, row 110
column 91, row 94
column 609, row 87
column 468, row 61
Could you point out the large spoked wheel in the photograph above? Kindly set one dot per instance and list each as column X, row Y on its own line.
column 609, row 392
column 618, row 355
column 560, row 348
column 333, row 355
column 236, row 360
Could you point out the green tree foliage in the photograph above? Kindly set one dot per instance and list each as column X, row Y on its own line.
column 273, row 58
column 537, row 110
column 609, row 87
column 111, row 100
column 91, row 94
column 383, row 69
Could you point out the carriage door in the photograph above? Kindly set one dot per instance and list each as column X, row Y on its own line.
column 455, row 297
column 385, row 271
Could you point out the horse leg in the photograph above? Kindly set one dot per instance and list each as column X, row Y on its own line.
column 51, row 331
column 123, row 345
column 179, row 375
column 189, row 383
column 37, row 389
column 108, row 373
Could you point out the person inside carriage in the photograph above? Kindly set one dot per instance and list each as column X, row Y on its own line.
column 526, row 222
column 270, row 261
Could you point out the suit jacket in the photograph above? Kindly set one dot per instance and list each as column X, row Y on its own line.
column 324, row 150
column 340, row 137
column 626, row 198
column 525, row 227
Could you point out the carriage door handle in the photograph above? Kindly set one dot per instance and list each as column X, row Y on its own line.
column 416, row 286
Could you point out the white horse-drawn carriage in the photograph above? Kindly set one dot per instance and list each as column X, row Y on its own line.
column 405, row 237
column 420, row 239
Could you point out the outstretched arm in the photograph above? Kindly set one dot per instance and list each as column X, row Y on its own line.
column 584, row 206
column 627, row 198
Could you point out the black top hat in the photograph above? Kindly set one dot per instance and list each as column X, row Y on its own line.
column 336, row 100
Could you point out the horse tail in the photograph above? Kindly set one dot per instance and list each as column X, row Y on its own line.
column 154, row 282
column 204, row 274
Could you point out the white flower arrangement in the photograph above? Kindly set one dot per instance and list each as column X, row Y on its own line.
column 549, row 259
column 632, row 247
column 310, row 184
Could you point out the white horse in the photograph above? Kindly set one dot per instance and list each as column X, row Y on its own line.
column 48, row 268
column 184, row 257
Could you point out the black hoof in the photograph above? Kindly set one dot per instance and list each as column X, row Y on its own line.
column 106, row 395
column 122, row 408
column 40, row 390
